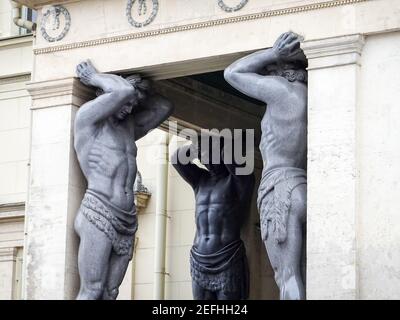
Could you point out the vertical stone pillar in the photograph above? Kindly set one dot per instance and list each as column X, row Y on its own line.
column 8, row 258
column 56, row 187
column 334, row 66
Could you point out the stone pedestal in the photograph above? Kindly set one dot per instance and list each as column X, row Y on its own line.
column 334, row 66
column 56, row 187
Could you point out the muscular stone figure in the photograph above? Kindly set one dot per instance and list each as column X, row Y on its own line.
column 105, row 132
column 277, row 76
column 218, row 260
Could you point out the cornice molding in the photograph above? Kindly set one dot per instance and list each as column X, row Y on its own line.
column 12, row 212
column 60, row 92
column 11, row 209
column 15, row 41
column 26, row 76
column 331, row 52
column 8, row 254
column 198, row 25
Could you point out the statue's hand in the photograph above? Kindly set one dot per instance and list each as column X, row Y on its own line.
column 287, row 46
column 89, row 76
column 85, row 72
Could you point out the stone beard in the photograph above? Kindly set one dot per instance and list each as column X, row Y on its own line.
column 278, row 77
column 106, row 129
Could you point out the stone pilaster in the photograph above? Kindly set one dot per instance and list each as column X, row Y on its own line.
column 334, row 66
column 8, row 258
column 56, row 187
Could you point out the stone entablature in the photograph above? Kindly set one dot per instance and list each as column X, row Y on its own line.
column 39, row 3
column 109, row 21
column 199, row 33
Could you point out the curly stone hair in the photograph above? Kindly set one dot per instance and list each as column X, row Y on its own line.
column 294, row 71
column 136, row 81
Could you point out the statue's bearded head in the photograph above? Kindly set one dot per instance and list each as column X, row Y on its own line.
column 291, row 71
column 125, row 111
column 141, row 87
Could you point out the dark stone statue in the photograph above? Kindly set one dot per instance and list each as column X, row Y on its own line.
column 278, row 77
column 106, row 129
column 218, row 259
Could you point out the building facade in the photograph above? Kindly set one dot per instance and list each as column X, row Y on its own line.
column 353, row 50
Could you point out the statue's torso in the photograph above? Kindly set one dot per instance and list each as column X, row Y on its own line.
column 284, row 131
column 220, row 210
column 110, row 163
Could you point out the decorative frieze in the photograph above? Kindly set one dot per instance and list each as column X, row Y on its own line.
column 142, row 11
column 227, row 8
column 15, row 78
column 199, row 25
column 52, row 28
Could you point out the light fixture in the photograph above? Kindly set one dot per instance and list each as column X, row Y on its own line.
column 142, row 194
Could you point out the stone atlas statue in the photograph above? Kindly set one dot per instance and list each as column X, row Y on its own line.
column 218, row 259
column 278, row 77
column 106, row 129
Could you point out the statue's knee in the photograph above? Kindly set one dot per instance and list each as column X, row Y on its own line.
column 112, row 294
column 298, row 209
column 89, row 294
column 93, row 290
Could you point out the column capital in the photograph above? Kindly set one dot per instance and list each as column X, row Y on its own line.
column 333, row 52
column 59, row 92
column 8, row 254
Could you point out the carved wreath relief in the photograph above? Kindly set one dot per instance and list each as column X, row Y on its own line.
column 227, row 8
column 56, row 20
column 55, row 24
column 142, row 11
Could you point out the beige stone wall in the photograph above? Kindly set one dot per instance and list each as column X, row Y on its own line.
column 7, row 27
column 14, row 141
column 15, row 68
column 378, row 219
column 106, row 34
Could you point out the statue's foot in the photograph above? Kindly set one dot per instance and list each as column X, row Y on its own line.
column 86, row 72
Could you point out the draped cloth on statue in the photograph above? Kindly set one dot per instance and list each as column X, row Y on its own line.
column 118, row 225
column 225, row 270
column 274, row 199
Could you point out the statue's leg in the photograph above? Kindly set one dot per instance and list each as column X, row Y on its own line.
column 241, row 287
column 118, row 266
column 229, row 295
column 286, row 257
column 202, row 294
column 93, row 259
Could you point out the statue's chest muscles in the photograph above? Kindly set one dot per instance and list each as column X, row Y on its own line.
column 113, row 152
column 215, row 191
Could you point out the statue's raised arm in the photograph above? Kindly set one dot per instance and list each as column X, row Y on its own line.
column 189, row 171
column 154, row 110
column 248, row 75
column 116, row 92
